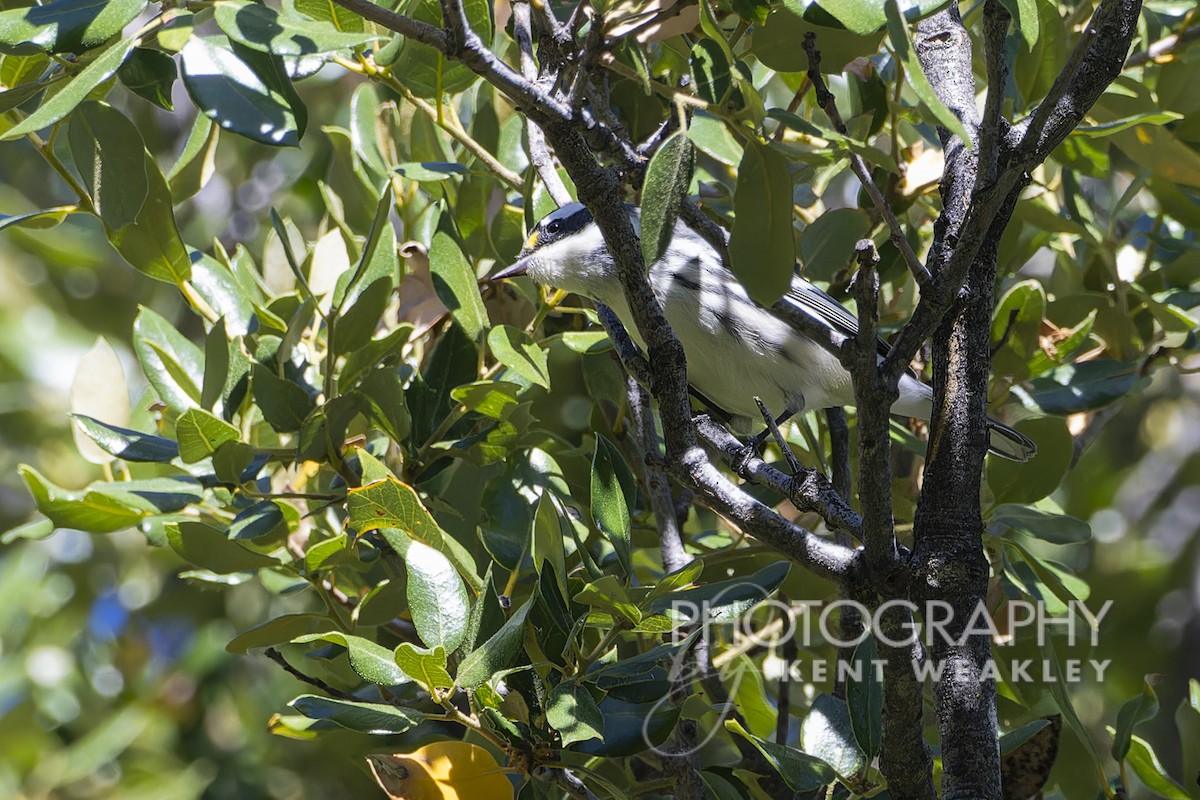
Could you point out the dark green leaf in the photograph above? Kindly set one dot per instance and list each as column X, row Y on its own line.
column 610, row 508
column 127, row 444
column 497, row 653
column 260, row 519
column 710, row 71
column 220, row 288
column 383, row 393
column 666, row 185
column 65, row 101
column 94, row 514
column 150, row 74
column 762, row 245
column 437, row 597
column 390, row 504
column 173, row 365
column 208, row 548
column 372, row 662
column 516, row 350
column 1053, row 528
column 110, row 157
column 373, row 718
column 65, row 26
column 1029, row 482
column 827, row 245
column 1134, row 712
column 800, row 771
column 197, row 162
column 826, row 734
column 572, row 711
column 1085, row 386
column 261, row 27
column 230, row 92
column 284, row 404
column 277, row 631
column 417, row 65
column 456, row 285
column 864, row 698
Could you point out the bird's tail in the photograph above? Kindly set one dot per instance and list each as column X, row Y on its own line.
column 1009, row 443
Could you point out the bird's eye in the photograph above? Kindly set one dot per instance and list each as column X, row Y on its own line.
column 553, row 227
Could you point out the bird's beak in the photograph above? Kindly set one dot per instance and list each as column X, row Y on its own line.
column 514, row 270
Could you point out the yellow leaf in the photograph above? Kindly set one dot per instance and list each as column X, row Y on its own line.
column 442, row 771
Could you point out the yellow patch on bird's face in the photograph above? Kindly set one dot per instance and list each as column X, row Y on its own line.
column 532, row 241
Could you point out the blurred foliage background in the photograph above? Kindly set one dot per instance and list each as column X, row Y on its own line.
column 114, row 679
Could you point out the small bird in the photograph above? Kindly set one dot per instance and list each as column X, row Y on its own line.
column 736, row 349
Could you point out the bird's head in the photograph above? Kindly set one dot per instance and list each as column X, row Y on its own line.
column 566, row 250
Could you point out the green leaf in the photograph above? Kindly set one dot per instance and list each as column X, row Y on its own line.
column 69, row 97
column 1029, row 482
column 426, row 667
column 110, row 157
column 610, row 509
column 388, row 504
column 38, row 220
column 126, row 444
column 455, row 284
column 827, row 733
column 1025, row 16
column 383, row 392
column 631, row 728
column 547, row 550
column 864, row 698
column 372, row 353
column 220, row 288
column 150, row 495
column 173, row 365
column 1015, row 738
column 65, row 26
column 762, row 245
column 608, row 594
column 375, row 718
column 329, row 11
column 1053, row 528
column 208, row 548
column 284, row 404
column 1135, row 711
column 94, row 513
column 326, row 552
column 494, row 399
column 907, row 53
column 1076, row 336
column 197, row 161
column 710, row 135
column 280, row 630
column 1085, row 386
column 262, row 28
column 587, row 342
column 35, row 530
column 777, row 42
column 665, row 186
column 260, row 519
column 437, row 597
column 200, row 434
column 370, row 661
column 1124, row 123
column 1062, row 698
column 497, row 653
column 150, row 74
column 430, row 171
column 516, row 350
column 710, row 71
column 867, row 16
column 1187, row 723
column 229, row 91
column 417, row 65
column 572, row 711
column 1151, row 772
column 800, row 771
column 827, row 245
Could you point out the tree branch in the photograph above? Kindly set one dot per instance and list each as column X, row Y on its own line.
column 828, row 103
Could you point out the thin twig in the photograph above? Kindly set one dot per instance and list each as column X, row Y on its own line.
column 539, row 154
column 826, row 101
column 278, row 658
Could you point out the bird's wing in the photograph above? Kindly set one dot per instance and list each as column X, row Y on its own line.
column 816, row 303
